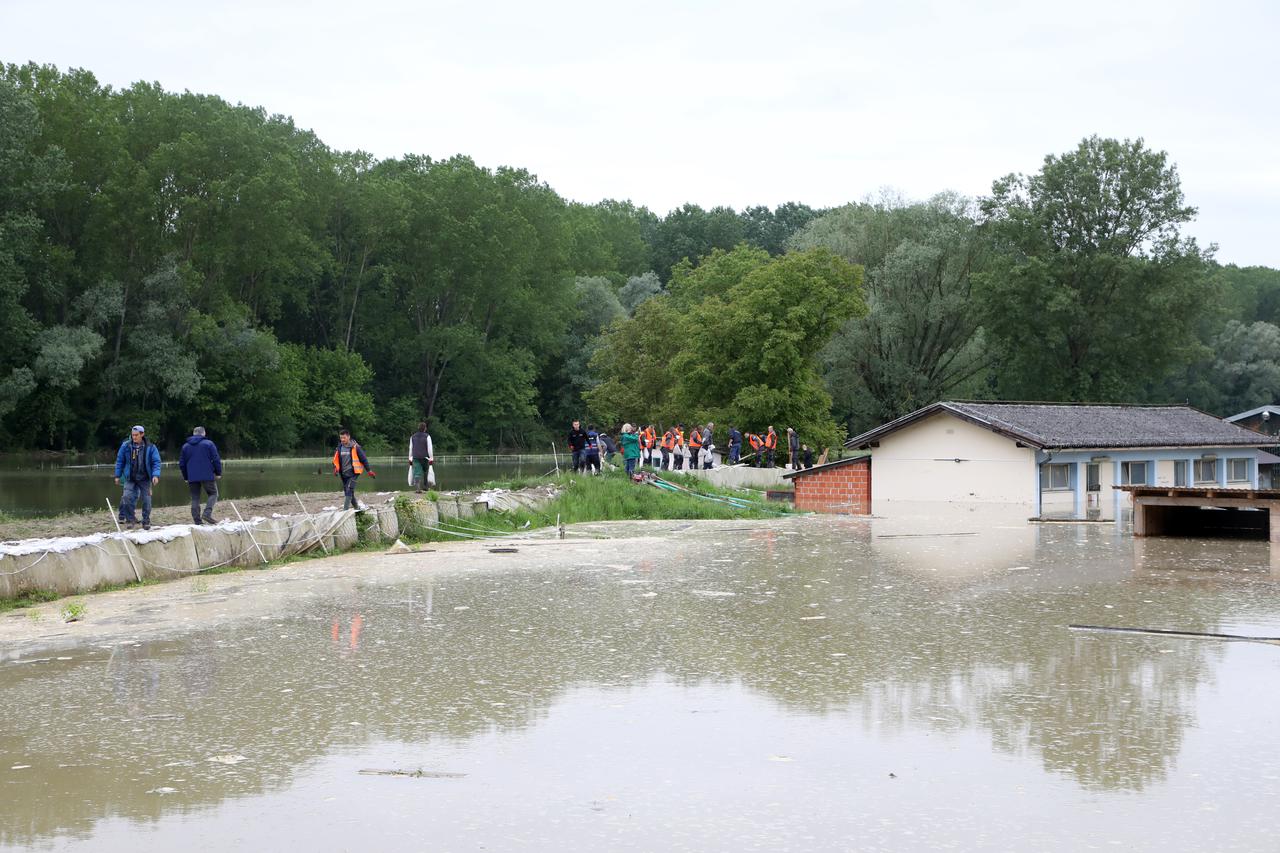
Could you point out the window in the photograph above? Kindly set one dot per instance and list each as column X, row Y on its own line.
column 1055, row 478
column 1206, row 470
column 1180, row 473
column 1237, row 470
column 1133, row 473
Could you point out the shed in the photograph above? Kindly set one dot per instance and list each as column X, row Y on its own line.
column 1056, row 458
column 841, row 488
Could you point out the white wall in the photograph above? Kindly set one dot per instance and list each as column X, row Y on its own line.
column 916, row 463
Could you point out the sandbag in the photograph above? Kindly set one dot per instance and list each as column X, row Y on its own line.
column 167, row 555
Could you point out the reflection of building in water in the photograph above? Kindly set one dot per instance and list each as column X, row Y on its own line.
column 1054, row 459
column 960, row 634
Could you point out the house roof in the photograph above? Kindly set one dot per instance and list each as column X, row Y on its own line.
column 1062, row 426
column 1273, row 410
column 817, row 469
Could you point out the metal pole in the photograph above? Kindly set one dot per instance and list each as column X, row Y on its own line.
column 555, row 453
column 110, row 509
column 309, row 518
column 249, row 529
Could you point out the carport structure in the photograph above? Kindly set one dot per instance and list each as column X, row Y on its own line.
column 1244, row 513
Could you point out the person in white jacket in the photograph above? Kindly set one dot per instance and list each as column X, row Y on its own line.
column 421, row 457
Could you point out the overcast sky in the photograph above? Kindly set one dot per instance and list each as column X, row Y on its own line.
column 735, row 103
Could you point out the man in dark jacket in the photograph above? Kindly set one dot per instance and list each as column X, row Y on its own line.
column 201, row 467
column 735, row 445
column 793, row 448
column 578, row 445
column 137, row 469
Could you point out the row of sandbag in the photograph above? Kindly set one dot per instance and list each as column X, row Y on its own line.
column 80, row 564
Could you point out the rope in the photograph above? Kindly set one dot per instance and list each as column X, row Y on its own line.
column 307, row 542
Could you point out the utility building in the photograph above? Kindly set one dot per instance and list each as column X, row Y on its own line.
column 1056, row 458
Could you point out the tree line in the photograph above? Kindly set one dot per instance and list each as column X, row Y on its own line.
column 171, row 259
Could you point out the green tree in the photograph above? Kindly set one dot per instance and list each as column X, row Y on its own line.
column 735, row 341
column 920, row 339
column 1094, row 289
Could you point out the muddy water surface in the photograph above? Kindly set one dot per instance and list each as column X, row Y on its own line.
column 816, row 684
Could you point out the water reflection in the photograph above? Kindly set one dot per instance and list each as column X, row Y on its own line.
column 884, row 631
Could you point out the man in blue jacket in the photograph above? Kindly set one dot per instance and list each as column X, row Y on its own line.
column 137, row 469
column 201, row 467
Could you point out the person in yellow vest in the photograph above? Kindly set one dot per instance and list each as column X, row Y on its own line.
column 770, row 445
column 349, row 462
column 678, row 452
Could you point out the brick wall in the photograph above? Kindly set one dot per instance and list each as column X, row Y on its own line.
column 843, row 489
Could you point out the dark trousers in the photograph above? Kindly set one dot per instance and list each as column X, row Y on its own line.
column 631, row 465
column 135, row 491
column 577, row 460
column 735, row 450
column 769, row 462
column 591, row 462
column 349, row 491
column 678, row 465
column 211, row 489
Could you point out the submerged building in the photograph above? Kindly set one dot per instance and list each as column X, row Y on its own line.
column 1055, row 458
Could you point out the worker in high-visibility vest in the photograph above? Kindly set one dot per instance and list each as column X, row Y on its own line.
column 678, row 453
column 668, row 447
column 770, row 445
column 756, row 443
column 695, row 447
column 649, row 443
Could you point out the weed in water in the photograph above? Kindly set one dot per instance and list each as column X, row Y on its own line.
column 73, row 611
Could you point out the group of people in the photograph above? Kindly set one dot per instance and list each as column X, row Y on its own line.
column 677, row 450
column 138, row 472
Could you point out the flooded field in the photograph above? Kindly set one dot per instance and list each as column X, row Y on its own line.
column 30, row 489
column 811, row 684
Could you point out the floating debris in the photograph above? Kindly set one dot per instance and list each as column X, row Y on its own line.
column 414, row 774
column 226, row 759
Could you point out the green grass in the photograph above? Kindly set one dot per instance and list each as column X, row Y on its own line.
column 608, row 497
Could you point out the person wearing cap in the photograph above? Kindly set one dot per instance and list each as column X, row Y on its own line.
column 137, row 469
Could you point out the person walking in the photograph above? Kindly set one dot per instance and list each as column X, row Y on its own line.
column 770, row 446
column 707, row 446
column 735, row 445
column 793, row 449
column 201, row 468
column 630, row 448
column 137, row 469
column 421, row 457
column 349, row 462
column 678, row 453
column 578, row 445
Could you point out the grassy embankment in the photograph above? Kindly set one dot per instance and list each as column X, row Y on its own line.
column 610, row 497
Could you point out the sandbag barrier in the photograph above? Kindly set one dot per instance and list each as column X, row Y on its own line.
column 80, row 564
column 73, row 565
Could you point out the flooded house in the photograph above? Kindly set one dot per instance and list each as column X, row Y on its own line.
column 1056, row 459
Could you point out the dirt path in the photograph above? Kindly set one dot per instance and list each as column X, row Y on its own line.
column 83, row 524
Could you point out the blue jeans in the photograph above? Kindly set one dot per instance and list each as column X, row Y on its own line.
column 734, row 453
column 631, row 466
column 133, row 491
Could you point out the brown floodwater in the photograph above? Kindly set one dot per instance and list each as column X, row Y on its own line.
column 905, row 683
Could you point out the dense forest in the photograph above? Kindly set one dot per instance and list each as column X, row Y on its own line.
column 173, row 259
